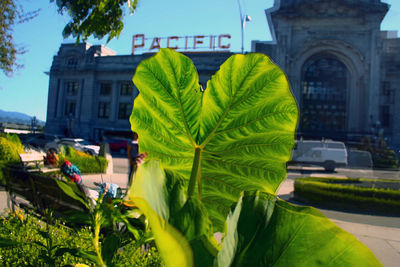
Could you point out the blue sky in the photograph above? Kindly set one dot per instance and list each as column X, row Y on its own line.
column 26, row 91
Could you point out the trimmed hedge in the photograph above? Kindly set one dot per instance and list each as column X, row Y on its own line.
column 335, row 193
column 85, row 162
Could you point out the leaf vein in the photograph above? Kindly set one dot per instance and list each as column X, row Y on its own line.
column 254, row 121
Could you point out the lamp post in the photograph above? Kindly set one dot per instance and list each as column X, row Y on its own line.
column 243, row 19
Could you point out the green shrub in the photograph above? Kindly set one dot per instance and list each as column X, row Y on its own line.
column 335, row 193
column 2, row 165
column 85, row 162
column 382, row 155
column 10, row 147
column 21, row 227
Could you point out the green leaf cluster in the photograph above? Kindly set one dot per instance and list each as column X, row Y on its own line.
column 215, row 160
column 97, row 17
column 113, row 225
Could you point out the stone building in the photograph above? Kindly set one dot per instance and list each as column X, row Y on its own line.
column 344, row 72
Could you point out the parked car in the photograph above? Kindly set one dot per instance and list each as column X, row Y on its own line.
column 326, row 153
column 360, row 159
column 40, row 141
column 77, row 143
column 117, row 145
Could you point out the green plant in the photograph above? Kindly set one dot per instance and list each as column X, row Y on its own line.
column 105, row 218
column 10, row 147
column 382, row 155
column 26, row 241
column 216, row 159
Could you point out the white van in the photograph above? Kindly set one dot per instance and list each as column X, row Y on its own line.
column 326, row 153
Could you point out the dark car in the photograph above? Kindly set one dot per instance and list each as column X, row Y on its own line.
column 117, row 145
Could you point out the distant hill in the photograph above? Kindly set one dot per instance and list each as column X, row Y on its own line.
column 17, row 117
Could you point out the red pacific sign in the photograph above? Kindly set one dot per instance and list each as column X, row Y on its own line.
column 186, row 43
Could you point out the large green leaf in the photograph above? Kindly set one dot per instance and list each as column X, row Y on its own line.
column 264, row 231
column 236, row 135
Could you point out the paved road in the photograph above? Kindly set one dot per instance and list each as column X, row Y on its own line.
column 301, row 171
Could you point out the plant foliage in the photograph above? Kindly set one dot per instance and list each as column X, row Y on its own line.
column 97, row 17
column 27, row 241
column 222, row 147
column 11, row 13
column 236, row 135
column 10, row 147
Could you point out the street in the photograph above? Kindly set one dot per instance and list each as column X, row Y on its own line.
column 120, row 163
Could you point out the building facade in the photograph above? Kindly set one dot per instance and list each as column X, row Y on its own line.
column 344, row 72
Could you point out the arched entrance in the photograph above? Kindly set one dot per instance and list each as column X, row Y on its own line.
column 323, row 98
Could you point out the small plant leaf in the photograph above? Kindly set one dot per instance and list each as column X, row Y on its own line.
column 111, row 244
column 190, row 219
column 5, row 242
column 72, row 190
column 241, row 127
column 44, row 234
column 150, row 195
column 89, row 255
column 172, row 245
column 79, row 217
column 264, row 231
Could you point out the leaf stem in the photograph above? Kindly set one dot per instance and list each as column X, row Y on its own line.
column 97, row 223
column 195, row 172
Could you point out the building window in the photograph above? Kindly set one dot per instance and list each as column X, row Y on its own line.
column 70, row 107
column 104, row 110
column 386, row 88
column 385, row 116
column 124, row 110
column 126, row 89
column 72, row 61
column 105, row 89
column 71, row 88
column 323, row 97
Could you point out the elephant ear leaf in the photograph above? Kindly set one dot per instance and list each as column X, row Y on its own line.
column 264, row 231
column 235, row 135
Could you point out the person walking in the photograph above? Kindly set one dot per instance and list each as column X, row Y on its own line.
column 133, row 153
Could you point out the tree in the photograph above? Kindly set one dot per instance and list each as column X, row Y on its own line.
column 88, row 17
column 10, row 14
column 94, row 17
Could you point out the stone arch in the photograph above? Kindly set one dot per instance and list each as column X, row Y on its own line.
column 352, row 59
